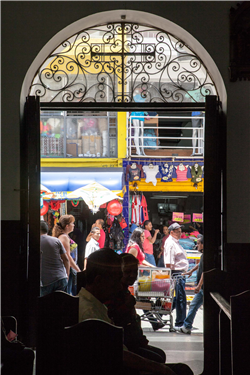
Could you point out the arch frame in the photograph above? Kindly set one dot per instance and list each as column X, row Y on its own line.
column 134, row 17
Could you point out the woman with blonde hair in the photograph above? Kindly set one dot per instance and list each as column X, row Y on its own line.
column 61, row 230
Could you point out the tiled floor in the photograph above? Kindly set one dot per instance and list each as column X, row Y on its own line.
column 180, row 347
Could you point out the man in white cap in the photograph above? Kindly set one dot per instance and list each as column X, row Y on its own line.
column 175, row 259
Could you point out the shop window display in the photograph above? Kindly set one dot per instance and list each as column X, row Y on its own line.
column 134, row 172
column 79, row 135
column 151, row 172
column 181, row 171
column 52, row 134
column 166, row 172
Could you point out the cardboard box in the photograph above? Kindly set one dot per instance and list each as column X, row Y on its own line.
column 92, row 145
column 77, row 141
column 98, row 143
column 72, row 150
column 85, row 144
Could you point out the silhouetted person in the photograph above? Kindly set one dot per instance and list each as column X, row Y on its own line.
column 103, row 281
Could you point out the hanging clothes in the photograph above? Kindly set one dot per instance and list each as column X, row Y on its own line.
column 136, row 210
column 134, row 172
column 196, row 172
column 110, row 219
column 144, row 207
column 138, row 116
column 130, row 211
column 151, row 172
column 139, row 210
column 116, row 236
column 181, row 172
column 166, row 172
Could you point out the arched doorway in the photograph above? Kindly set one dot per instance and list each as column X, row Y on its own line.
column 136, row 18
column 115, row 82
column 110, row 63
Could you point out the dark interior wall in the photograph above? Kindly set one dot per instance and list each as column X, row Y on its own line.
column 238, row 158
column 13, row 266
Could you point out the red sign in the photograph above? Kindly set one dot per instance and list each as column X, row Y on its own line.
column 178, row 216
column 197, row 218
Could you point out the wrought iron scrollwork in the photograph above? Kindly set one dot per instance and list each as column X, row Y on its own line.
column 123, row 62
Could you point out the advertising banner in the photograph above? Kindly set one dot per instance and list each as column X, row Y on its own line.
column 197, row 218
column 178, row 216
column 187, row 219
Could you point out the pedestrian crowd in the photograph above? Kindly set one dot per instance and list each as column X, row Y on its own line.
column 105, row 293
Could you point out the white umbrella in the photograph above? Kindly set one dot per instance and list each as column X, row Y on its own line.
column 94, row 195
column 44, row 189
column 45, row 194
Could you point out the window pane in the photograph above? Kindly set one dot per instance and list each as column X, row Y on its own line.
column 52, row 135
column 86, row 134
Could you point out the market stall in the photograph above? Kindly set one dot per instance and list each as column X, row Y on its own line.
column 87, row 203
column 165, row 191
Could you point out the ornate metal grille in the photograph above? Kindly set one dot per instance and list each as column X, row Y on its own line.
column 123, row 62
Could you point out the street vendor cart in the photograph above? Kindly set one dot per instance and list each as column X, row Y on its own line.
column 154, row 293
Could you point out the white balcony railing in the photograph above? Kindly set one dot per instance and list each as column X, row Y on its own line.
column 144, row 140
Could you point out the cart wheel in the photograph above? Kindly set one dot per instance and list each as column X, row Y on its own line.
column 172, row 330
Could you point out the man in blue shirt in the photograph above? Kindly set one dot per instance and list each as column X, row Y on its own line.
column 198, row 299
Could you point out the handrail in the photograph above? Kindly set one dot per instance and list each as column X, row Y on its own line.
column 139, row 139
column 172, row 117
column 222, row 303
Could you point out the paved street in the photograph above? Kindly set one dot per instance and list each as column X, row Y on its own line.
column 179, row 347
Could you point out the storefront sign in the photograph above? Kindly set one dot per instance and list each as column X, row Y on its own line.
column 178, row 216
column 197, row 218
column 187, row 219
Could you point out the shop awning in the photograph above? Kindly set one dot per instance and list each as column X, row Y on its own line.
column 70, row 181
